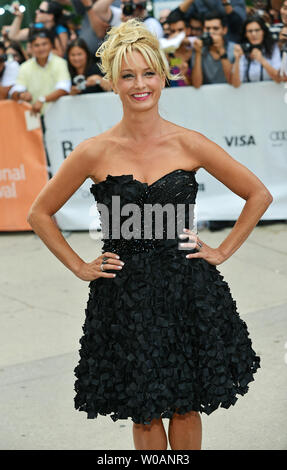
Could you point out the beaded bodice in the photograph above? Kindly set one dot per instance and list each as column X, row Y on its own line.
column 137, row 217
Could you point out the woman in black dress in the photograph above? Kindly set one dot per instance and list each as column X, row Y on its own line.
column 162, row 335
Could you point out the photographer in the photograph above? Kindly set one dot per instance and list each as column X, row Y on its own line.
column 178, row 58
column 43, row 78
column 84, row 71
column 233, row 10
column 129, row 9
column 258, row 58
column 212, row 56
column 8, row 72
column 49, row 16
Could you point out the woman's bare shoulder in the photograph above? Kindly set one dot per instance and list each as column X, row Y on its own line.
column 190, row 135
column 94, row 147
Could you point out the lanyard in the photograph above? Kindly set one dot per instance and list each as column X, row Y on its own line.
column 247, row 71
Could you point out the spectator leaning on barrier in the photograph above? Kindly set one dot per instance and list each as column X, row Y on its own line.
column 234, row 10
column 8, row 72
column 258, row 58
column 212, row 56
column 43, row 78
column 85, row 73
column 129, row 9
column 179, row 58
column 49, row 16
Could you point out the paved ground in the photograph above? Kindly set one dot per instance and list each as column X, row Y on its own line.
column 42, row 311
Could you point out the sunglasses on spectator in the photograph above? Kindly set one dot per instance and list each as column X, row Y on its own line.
column 41, row 10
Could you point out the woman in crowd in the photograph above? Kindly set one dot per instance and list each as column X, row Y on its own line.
column 14, row 51
column 49, row 16
column 282, row 41
column 8, row 72
column 258, row 57
column 81, row 64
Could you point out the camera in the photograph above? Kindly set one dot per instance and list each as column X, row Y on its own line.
column 80, row 82
column 206, row 39
column 11, row 9
column 3, row 58
column 274, row 30
column 130, row 7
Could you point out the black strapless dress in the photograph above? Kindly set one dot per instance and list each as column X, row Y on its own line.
column 164, row 335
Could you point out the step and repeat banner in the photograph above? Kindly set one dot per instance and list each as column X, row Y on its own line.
column 249, row 122
column 23, row 168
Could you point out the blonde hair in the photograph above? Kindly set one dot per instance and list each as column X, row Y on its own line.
column 127, row 37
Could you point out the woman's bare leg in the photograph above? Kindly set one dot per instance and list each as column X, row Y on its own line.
column 185, row 431
column 150, row 436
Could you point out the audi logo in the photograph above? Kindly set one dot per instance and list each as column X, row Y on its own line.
column 276, row 136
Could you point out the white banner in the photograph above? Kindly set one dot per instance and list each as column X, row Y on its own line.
column 249, row 122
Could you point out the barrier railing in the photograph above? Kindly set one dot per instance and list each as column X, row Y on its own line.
column 248, row 122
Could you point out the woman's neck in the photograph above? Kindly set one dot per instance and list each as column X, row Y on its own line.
column 80, row 70
column 141, row 126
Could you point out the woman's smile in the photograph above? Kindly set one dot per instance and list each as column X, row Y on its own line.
column 141, row 96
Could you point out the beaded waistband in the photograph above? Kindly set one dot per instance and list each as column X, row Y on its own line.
column 126, row 248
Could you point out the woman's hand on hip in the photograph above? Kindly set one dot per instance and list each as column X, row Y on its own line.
column 92, row 271
column 211, row 255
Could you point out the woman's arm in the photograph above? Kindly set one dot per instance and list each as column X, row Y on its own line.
column 256, row 54
column 98, row 16
column 61, row 43
column 235, row 71
column 241, row 181
column 15, row 31
column 196, row 71
column 76, row 168
column 4, row 90
column 185, row 5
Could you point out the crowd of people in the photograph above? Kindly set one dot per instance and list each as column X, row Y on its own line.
column 205, row 42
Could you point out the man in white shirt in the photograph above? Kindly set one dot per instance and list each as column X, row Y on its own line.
column 45, row 77
column 129, row 9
